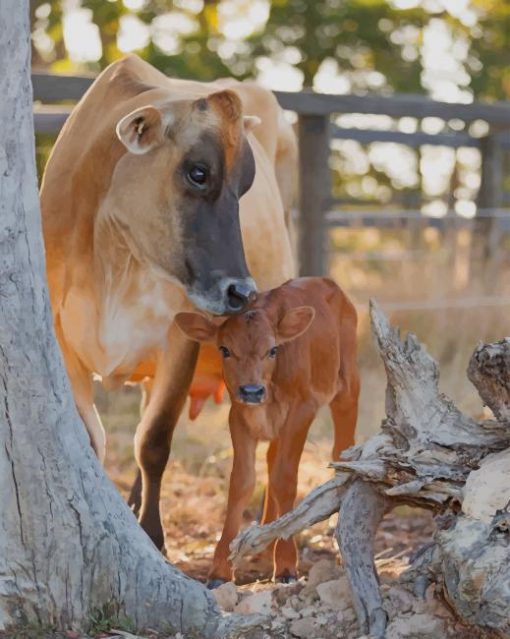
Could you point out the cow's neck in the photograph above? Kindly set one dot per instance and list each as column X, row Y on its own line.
column 135, row 304
column 120, row 272
column 113, row 263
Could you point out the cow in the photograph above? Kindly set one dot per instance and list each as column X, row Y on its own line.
column 291, row 352
column 160, row 195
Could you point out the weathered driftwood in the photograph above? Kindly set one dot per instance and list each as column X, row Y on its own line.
column 427, row 453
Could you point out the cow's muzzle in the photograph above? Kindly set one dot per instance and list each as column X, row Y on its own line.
column 226, row 296
column 239, row 296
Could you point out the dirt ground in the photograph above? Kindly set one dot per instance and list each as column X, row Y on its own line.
column 319, row 605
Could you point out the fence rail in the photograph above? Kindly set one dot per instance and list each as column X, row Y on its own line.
column 315, row 133
column 389, row 218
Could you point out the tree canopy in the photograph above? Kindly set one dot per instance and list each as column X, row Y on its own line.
column 371, row 44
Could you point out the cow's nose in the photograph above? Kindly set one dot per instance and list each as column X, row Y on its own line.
column 252, row 393
column 239, row 295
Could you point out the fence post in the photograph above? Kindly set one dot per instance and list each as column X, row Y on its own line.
column 489, row 197
column 315, row 192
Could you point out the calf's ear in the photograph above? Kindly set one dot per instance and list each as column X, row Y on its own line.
column 196, row 327
column 143, row 129
column 294, row 323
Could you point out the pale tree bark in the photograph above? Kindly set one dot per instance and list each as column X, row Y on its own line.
column 69, row 545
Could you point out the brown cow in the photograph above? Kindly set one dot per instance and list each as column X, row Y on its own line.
column 292, row 352
column 160, row 196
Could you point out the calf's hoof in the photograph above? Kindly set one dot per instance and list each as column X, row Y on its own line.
column 214, row 582
column 286, row 578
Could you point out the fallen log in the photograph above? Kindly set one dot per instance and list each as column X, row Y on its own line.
column 428, row 454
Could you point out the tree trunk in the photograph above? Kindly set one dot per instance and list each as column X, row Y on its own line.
column 69, row 545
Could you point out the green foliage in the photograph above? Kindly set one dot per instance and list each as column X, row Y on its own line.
column 109, row 616
column 32, row 631
column 490, row 49
column 373, row 42
column 43, row 144
column 355, row 33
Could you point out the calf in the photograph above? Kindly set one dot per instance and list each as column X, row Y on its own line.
column 292, row 352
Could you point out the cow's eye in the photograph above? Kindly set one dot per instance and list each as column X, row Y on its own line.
column 224, row 351
column 272, row 352
column 197, row 175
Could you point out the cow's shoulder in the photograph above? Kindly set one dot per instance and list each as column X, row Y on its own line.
column 131, row 74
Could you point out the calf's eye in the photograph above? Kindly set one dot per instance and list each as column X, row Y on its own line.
column 272, row 352
column 224, row 351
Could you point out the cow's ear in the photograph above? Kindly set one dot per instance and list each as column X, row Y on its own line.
column 250, row 122
column 142, row 129
column 294, row 323
column 196, row 327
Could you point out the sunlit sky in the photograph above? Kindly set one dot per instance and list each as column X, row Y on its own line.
column 444, row 77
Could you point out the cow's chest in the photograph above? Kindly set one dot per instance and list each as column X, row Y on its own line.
column 115, row 335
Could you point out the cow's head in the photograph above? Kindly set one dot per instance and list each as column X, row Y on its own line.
column 177, row 195
column 249, row 344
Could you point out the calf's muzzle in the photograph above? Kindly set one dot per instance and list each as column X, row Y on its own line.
column 252, row 393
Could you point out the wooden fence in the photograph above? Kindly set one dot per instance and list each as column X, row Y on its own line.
column 318, row 210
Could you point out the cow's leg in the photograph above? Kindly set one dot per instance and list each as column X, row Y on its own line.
column 83, row 392
column 283, row 484
column 135, row 496
column 240, row 490
column 174, row 372
column 344, row 411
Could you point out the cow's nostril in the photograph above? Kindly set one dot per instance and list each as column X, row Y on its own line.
column 239, row 295
column 252, row 393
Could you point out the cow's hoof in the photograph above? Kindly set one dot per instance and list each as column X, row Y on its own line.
column 214, row 583
column 286, row 579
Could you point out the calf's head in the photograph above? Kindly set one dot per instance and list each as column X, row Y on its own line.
column 175, row 195
column 249, row 344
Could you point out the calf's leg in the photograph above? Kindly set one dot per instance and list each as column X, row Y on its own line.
column 283, row 480
column 269, row 509
column 270, row 506
column 344, row 411
column 174, row 373
column 242, row 483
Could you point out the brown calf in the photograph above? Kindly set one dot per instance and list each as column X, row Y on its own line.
column 292, row 352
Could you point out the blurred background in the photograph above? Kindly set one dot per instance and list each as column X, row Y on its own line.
column 413, row 178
